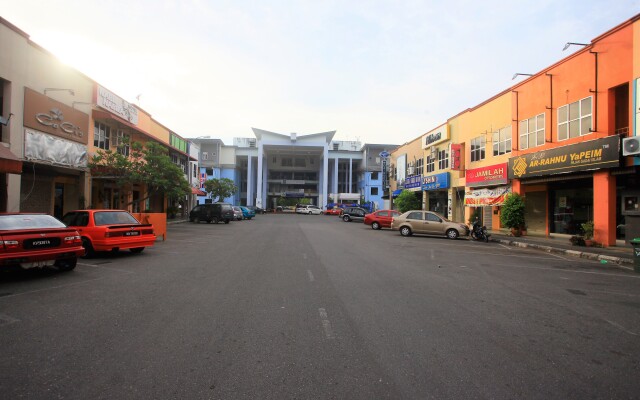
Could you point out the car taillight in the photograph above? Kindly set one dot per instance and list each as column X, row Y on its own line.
column 107, row 234
column 10, row 244
column 72, row 240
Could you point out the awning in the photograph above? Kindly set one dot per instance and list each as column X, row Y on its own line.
column 198, row 192
column 396, row 193
column 9, row 163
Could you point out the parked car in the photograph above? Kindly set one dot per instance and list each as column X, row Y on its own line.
column 309, row 209
column 110, row 230
column 247, row 213
column 353, row 214
column 213, row 212
column 380, row 219
column 257, row 210
column 237, row 212
column 333, row 211
column 29, row 240
column 428, row 222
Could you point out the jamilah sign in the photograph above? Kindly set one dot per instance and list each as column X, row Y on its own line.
column 487, row 176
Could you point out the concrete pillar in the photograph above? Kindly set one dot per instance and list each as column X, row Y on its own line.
column 249, row 181
column 260, row 194
column 335, row 178
column 350, row 175
column 604, row 208
column 325, row 176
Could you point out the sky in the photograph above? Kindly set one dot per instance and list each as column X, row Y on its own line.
column 373, row 71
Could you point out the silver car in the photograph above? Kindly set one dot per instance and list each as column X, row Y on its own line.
column 429, row 223
column 237, row 212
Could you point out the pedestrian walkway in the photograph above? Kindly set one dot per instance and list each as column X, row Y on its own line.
column 618, row 255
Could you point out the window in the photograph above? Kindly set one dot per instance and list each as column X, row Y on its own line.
column 300, row 162
column 478, row 148
column 374, row 191
column 415, row 215
column 420, row 166
column 205, row 155
column 383, row 213
column 287, row 162
column 433, row 218
column 101, row 134
column 574, row 119
column 431, row 161
column 502, row 141
column 443, row 159
column 122, row 142
column 532, row 132
column 374, row 176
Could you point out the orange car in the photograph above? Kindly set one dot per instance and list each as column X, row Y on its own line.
column 333, row 211
column 110, row 230
column 30, row 240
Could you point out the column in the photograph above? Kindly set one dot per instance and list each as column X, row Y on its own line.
column 350, row 176
column 260, row 194
column 335, row 178
column 325, row 177
column 604, row 210
column 249, row 182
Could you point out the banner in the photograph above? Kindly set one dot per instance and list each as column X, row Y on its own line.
column 456, row 156
column 486, row 197
column 413, row 181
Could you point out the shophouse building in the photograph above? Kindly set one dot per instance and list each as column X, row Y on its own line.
column 407, row 168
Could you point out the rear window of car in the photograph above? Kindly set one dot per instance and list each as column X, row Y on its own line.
column 225, row 207
column 16, row 222
column 114, row 218
column 415, row 215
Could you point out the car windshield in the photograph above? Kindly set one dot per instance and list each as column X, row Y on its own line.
column 15, row 222
column 114, row 218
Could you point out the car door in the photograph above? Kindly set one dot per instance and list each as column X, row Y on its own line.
column 386, row 220
column 416, row 220
column 434, row 224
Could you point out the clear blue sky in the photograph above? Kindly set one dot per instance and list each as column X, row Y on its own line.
column 377, row 71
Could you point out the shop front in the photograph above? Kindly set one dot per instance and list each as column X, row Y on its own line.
column 562, row 187
column 55, row 152
column 487, row 191
column 436, row 193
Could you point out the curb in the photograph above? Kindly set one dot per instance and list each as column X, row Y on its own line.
column 618, row 261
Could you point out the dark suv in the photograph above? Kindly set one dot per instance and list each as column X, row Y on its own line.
column 353, row 214
column 214, row 212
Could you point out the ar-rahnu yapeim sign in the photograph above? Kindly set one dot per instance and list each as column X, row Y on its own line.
column 594, row 154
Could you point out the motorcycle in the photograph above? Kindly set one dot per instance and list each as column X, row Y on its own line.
column 479, row 232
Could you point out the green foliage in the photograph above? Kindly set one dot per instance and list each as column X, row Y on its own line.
column 587, row 228
column 291, row 201
column 149, row 165
column 407, row 200
column 220, row 188
column 512, row 212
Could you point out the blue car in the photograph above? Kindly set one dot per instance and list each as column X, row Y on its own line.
column 247, row 213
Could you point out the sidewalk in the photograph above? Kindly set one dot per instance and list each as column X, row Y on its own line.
column 621, row 255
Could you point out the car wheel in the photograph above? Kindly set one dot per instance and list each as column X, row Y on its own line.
column 226, row 221
column 88, row 248
column 66, row 265
column 346, row 218
column 452, row 234
column 405, row 231
column 196, row 220
column 215, row 220
column 375, row 226
column 136, row 250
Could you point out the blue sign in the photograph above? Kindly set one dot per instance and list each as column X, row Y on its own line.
column 435, row 182
column 384, row 154
column 413, row 182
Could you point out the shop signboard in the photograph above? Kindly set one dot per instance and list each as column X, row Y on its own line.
column 487, row 176
column 594, row 154
column 413, row 181
column 486, row 197
column 456, row 156
column 438, row 135
column 47, row 115
column 436, row 182
column 116, row 104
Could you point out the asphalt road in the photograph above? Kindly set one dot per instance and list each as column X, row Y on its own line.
column 310, row 307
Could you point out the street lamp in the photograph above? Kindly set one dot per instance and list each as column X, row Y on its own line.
column 568, row 44
column 518, row 74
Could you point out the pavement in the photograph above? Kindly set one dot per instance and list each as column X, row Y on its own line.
column 613, row 256
column 616, row 255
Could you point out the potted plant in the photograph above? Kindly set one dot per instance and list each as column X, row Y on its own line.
column 512, row 213
column 587, row 228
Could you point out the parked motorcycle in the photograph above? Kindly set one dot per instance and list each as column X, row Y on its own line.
column 479, row 232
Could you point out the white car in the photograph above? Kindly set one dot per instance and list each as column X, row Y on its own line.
column 308, row 209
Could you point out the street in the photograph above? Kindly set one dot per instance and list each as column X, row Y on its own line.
column 310, row 307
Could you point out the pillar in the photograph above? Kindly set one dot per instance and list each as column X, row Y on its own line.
column 249, row 182
column 350, row 175
column 604, row 208
column 325, row 176
column 260, row 194
column 335, row 178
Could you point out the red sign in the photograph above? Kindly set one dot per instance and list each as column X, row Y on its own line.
column 456, row 157
column 488, row 176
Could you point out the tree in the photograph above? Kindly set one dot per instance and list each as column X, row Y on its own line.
column 220, row 188
column 512, row 212
column 408, row 201
column 147, row 164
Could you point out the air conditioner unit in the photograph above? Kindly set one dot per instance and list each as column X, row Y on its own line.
column 411, row 171
column 631, row 146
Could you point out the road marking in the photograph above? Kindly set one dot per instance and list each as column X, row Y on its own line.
column 102, row 266
column 563, row 258
column 311, row 279
column 506, row 247
column 622, row 328
column 326, row 325
column 433, row 256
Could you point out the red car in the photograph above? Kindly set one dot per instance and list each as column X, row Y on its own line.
column 380, row 219
column 333, row 211
column 110, row 230
column 38, row 240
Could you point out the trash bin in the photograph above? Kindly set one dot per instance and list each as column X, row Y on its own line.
column 636, row 253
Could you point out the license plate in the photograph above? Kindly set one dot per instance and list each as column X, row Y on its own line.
column 133, row 233
column 37, row 264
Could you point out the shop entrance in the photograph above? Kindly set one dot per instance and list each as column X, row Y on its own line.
column 571, row 205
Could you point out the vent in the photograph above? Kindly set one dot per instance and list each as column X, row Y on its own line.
column 336, row 146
